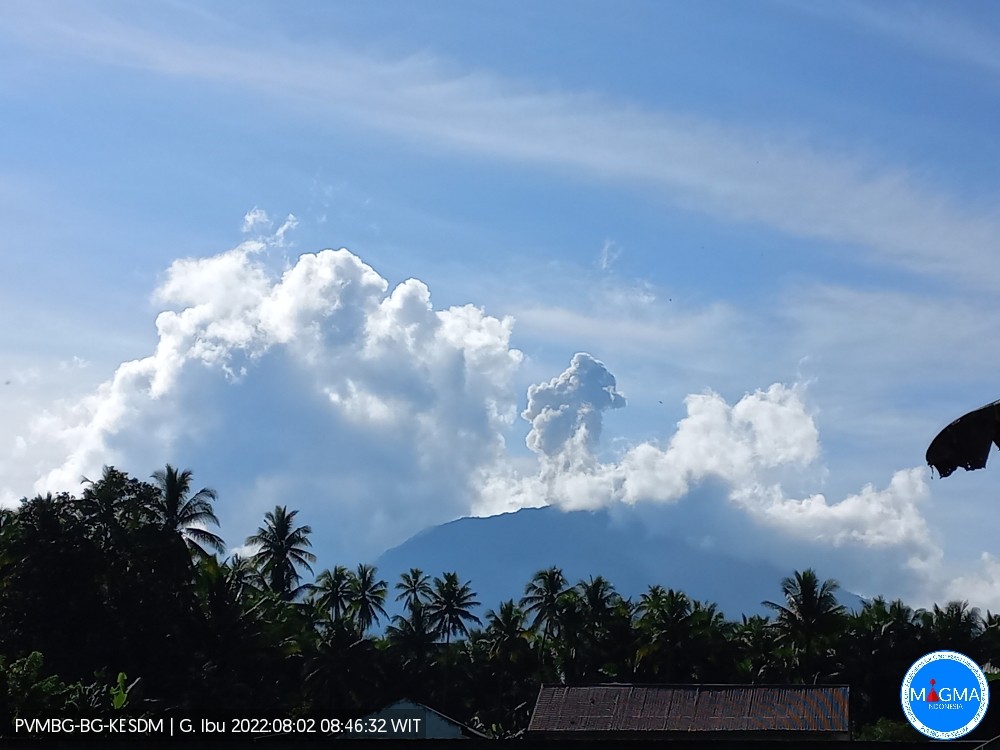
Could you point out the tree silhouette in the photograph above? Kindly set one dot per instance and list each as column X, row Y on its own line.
column 367, row 595
column 178, row 510
column 808, row 618
column 231, row 634
column 281, row 550
column 332, row 592
column 508, row 633
column 665, row 621
column 414, row 588
column 541, row 599
column 413, row 640
column 450, row 607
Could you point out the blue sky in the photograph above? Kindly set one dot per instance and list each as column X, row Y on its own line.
column 771, row 229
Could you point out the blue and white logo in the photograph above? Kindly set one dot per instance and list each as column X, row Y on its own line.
column 945, row 695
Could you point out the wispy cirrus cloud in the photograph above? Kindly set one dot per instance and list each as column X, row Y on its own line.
column 611, row 251
column 934, row 29
column 882, row 211
column 255, row 218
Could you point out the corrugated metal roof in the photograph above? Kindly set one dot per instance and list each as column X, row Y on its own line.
column 690, row 708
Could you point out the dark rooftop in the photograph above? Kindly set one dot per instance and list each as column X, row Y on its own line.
column 691, row 708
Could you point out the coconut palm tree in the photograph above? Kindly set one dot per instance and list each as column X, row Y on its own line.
column 243, row 576
column 114, row 505
column 367, row 595
column 510, row 665
column 414, row 587
column 651, row 600
column 956, row 626
column 541, row 599
column 879, row 643
column 332, row 592
column 988, row 642
column 413, row 638
column 231, row 620
column 342, row 667
column 712, row 648
column 665, row 622
column 758, row 655
column 281, row 550
column 569, row 636
column 450, row 607
column 809, row 617
column 601, row 630
column 508, row 633
column 599, row 598
column 176, row 509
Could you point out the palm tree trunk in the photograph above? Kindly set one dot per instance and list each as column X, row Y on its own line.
column 447, row 669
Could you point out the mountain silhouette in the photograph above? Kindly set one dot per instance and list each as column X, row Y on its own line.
column 500, row 554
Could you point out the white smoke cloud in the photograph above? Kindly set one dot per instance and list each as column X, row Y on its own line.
column 320, row 387
column 566, row 411
column 751, row 449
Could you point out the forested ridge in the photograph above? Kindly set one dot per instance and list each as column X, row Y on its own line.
column 128, row 578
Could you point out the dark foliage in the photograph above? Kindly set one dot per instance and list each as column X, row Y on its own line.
column 125, row 579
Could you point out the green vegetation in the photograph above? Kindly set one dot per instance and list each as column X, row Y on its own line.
column 126, row 579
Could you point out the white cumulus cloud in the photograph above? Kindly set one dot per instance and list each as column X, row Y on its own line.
column 359, row 400
column 322, row 386
column 752, row 450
